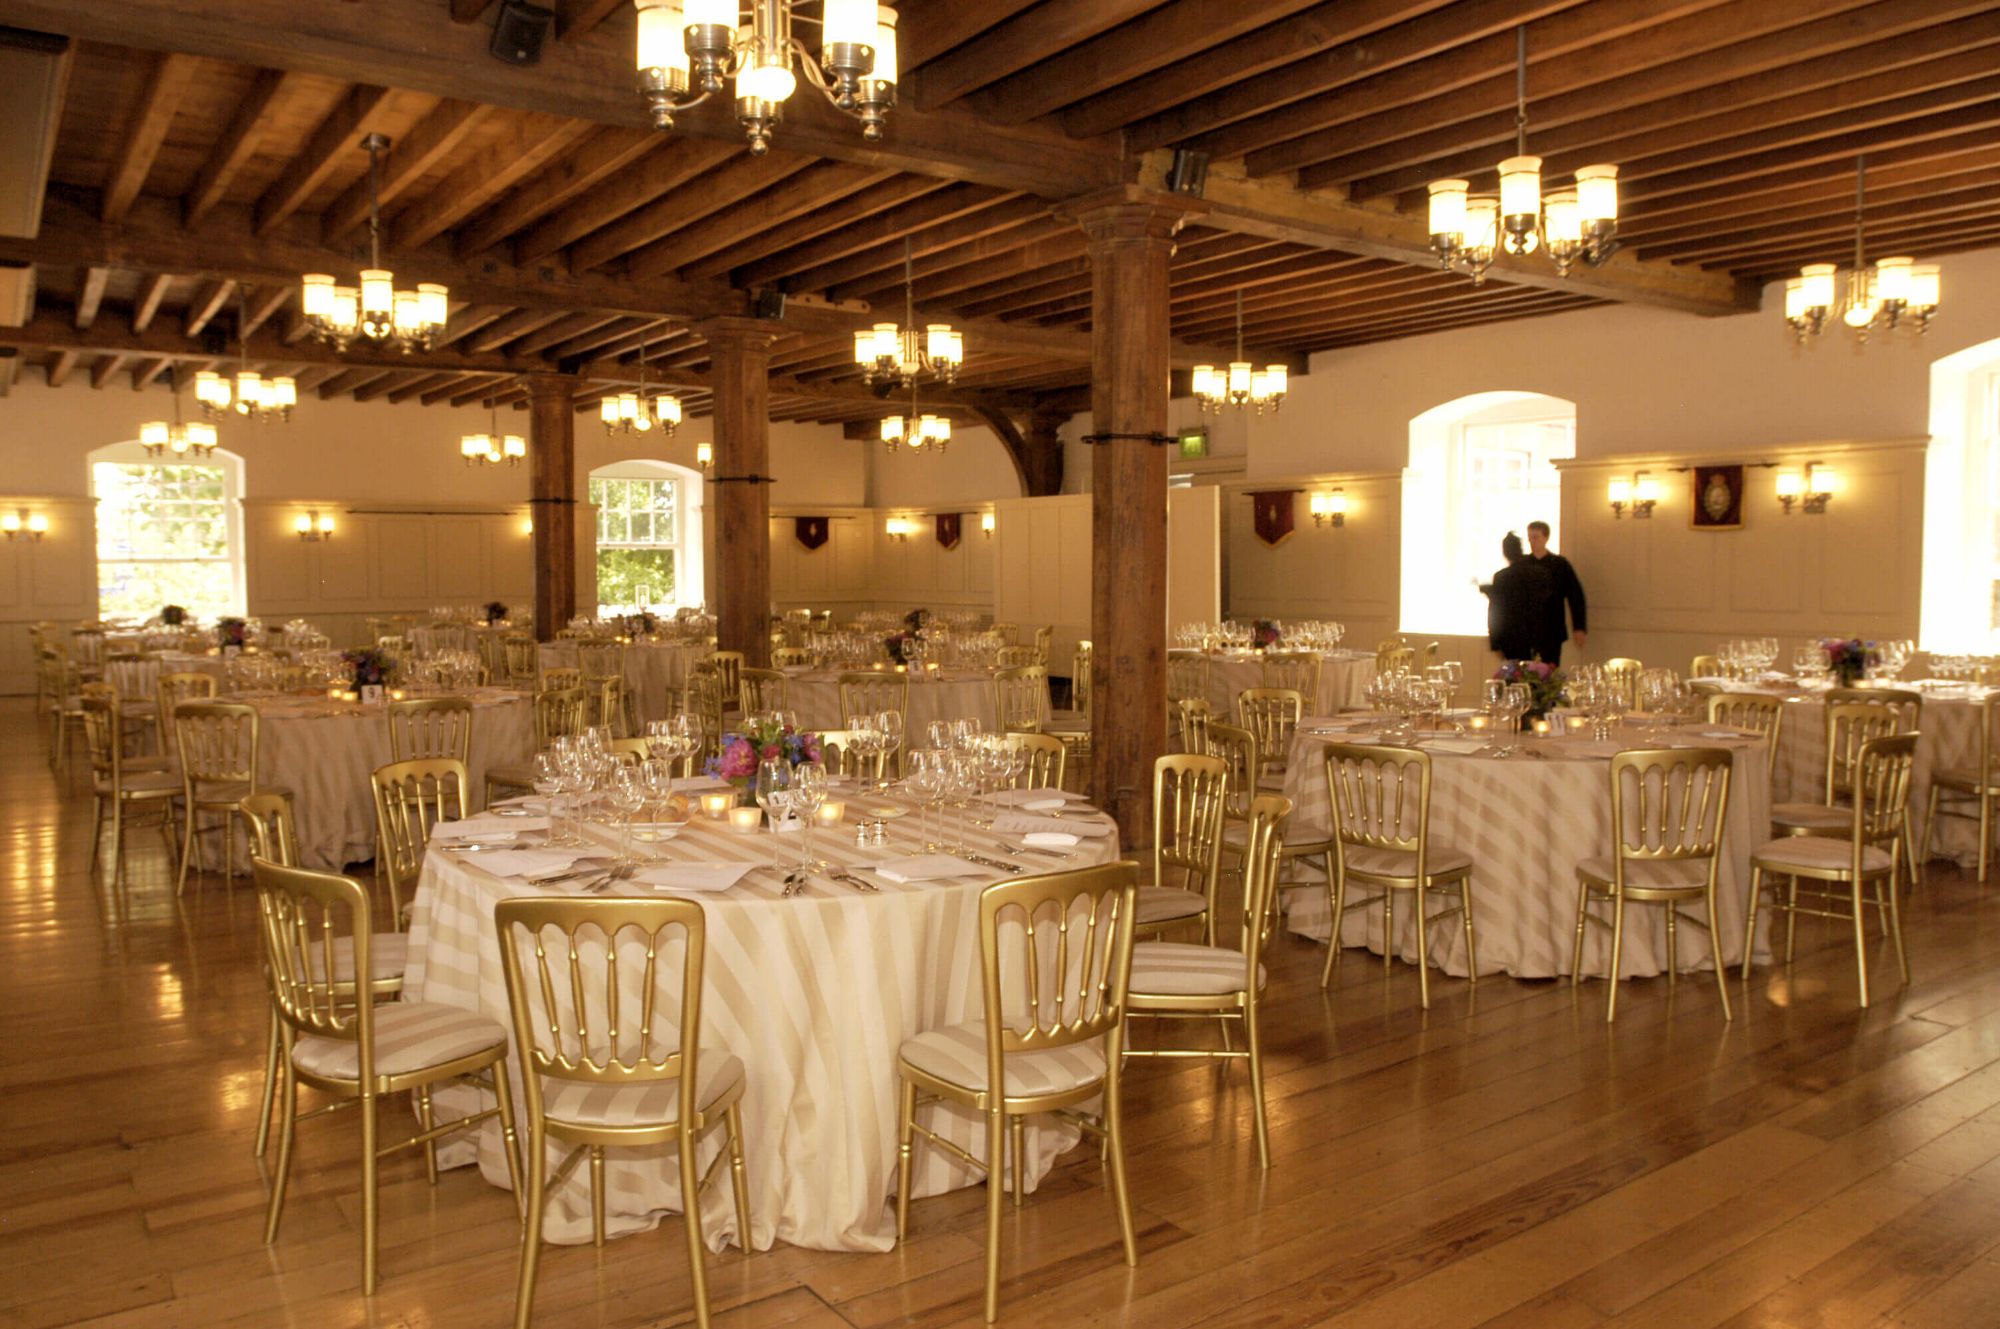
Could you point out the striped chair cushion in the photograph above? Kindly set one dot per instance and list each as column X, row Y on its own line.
column 1818, row 853
column 142, row 782
column 1812, row 816
column 1164, row 904
column 1440, row 861
column 583, row 1103
column 228, row 793
column 1180, row 969
column 409, row 1036
column 388, row 956
column 1965, row 778
column 1686, row 874
column 958, row 1055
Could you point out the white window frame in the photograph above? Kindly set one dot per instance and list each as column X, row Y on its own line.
column 1961, row 569
column 133, row 453
column 686, row 546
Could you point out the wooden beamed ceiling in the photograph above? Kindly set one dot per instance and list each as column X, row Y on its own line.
column 209, row 153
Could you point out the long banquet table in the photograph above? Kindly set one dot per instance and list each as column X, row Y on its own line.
column 814, row 993
column 1527, row 822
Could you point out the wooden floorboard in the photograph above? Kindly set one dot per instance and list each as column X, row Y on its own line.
column 1503, row 1161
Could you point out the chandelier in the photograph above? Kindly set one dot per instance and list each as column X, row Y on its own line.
column 899, row 352
column 251, row 395
column 492, row 447
column 1899, row 288
column 1468, row 230
column 686, row 48
column 1241, row 385
column 917, row 432
column 640, row 412
column 375, row 310
column 195, row 439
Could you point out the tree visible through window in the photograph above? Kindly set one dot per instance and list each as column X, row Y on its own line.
column 164, row 537
column 638, row 542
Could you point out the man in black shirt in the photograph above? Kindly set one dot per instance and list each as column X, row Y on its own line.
column 1517, row 604
column 1568, row 592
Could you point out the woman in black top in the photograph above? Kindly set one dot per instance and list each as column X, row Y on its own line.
column 1518, row 603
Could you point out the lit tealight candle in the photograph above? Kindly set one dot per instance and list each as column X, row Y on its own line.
column 716, row 806
column 334, row 694
column 1478, row 724
column 397, row 694
column 831, row 813
column 902, row 669
column 745, row 820
column 1542, row 728
column 1577, row 723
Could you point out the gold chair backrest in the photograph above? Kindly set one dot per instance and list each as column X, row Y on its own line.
column 1080, row 682
column 1908, row 702
column 104, row 732
column 557, row 677
column 1430, row 653
column 1394, row 658
column 1237, row 747
column 136, row 676
column 791, row 657
column 1014, row 657
column 763, row 689
column 604, row 698
column 303, row 916
column 1192, row 717
column 1705, row 666
column 1297, row 670
column 87, row 646
column 592, row 991
column 1056, row 957
column 1754, row 711
column 1263, row 860
column 1622, row 672
column 1187, row 677
column 1009, row 633
column 410, row 798
column 1669, row 805
column 840, row 755
column 870, row 693
column 705, row 699
column 600, row 659
column 729, row 666
column 274, row 835
column 1190, row 801
column 630, row 751
column 217, row 741
column 1046, row 760
column 1380, row 797
column 173, row 689
column 559, row 713
column 1853, row 719
column 430, row 727
column 520, row 657
column 1882, row 789
column 1272, row 714
column 1020, row 697
column 1044, row 635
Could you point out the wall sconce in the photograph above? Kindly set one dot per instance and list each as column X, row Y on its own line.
column 1329, row 508
column 986, row 524
column 1641, row 494
column 313, row 527
column 1809, row 491
column 899, row 528
column 22, row 522
column 527, row 525
column 704, row 455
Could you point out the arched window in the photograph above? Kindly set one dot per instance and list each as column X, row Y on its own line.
column 1479, row 467
column 648, row 536
column 1961, row 596
column 169, row 531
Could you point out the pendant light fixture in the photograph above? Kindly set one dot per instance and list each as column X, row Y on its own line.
column 250, row 394
column 1899, row 290
column 900, row 353
column 374, row 310
column 1241, row 385
column 640, row 412
column 687, row 48
column 1467, row 230
column 192, row 440
column 492, row 447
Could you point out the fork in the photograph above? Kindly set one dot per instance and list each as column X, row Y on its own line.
column 849, row 879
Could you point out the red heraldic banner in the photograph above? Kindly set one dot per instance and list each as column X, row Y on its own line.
column 947, row 529
column 1272, row 509
column 811, row 531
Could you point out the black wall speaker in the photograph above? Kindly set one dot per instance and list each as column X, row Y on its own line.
column 519, row 32
column 1189, row 172
column 768, row 303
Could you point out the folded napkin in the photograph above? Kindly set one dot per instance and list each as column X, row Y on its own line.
column 929, row 867
column 701, row 784
column 528, row 862
column 1050, row 839
column 693, row 876
column 1035, row 800
column 487, row 828
column 1461, row 746
column 1027, row 823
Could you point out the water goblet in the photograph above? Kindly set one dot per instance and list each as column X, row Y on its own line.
column 888, row 727
column 774, row 790
column 808, row 792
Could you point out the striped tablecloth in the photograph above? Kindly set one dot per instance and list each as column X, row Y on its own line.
column 1343, row 679
column 814, row 993
column 955, row 695
column 653, row 670
column 1527, row 822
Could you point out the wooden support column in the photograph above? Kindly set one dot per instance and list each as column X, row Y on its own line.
column 1131, row 239
column 552, row 498
column 741, row 366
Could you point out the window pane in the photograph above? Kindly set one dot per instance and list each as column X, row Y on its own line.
column 630, row 578
column 162, row 538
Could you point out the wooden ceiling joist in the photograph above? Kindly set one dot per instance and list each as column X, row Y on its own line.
column 405, row 163
column 596, row 160
column 333, row 147
column 147, row 130
column 530, row 143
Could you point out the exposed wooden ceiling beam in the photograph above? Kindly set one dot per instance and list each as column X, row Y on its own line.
column 333, row 145
column 832, row 218
column 146, row 131
column 146, row 371
column 465, row 11
column 422, row 384
column 945, row 235
column 106, row 366
column 806, row 193
column 948, row 25
column 576, row 19
column 524, row 148
column 267, row 303
column 945, row 205
column 725, row 187
column 406, row 162
column 58, row 368
column 602, row 157
column 90, row 294
column 655, row 177
column 150, row 296
column 416, row 47
column 519, row 324
column 236, row 147
column 1013, row 45
column 205, row 305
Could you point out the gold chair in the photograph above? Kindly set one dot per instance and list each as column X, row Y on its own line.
column 411, row 797
column 1020, row 699
column 1008, row 633
column 1272, row 714
column 1399, row 658
column 1705, row 666
column 558, row 713
column 728, row 666
column 1877, row 832
column 1753, row 711
column 840, row 756
column 791, row 657
column 1297, row 670
column 1382, row 839
column 218, row 750
column 1190, row 793
column 59, row 682
column 1044, row 637
column 356, row 1051
column 763, row 690
column 1622, row 672
column 1192, row 716
column 1669, row 808
column 1072, row 727
column 871, row 692
column 1178, row 980
column 600, row 659
column 560, row 678
column 1953, row 788
column 429, row 727
column 1187, row 677
column 707, row 701
column 637, row 1079
column 520, row 659
column 631, row 751
column 1014, row 657
column 1050, row 1052
column 608, row 702
column 1047, row 760
column 1854, row 717
column 113, row 781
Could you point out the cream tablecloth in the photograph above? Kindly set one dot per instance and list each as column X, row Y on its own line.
column 1526, row 823
column 653, row 670
column 956, row 694
column 1343, row 679
column 815, row 994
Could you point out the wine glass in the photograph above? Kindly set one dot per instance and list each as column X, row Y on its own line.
column 626, row 793
column 938, row 732
column 551, row 782
column 808, row 792
column 774, row 789
column 888, row 728
column 926, row 779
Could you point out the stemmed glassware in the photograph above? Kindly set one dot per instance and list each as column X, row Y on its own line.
column 626, row 792
column 552, row 782
column 808, row 792
column 774, row 790
column 929, row 781
column 888, row 728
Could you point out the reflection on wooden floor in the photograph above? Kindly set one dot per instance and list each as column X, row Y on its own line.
column 1516, row 1164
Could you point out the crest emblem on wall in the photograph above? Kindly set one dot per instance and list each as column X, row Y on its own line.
column 1271, row 510
column 948, row 527
column 811, row 531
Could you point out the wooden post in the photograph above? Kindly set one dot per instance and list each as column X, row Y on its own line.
column 1131, row 240
column 741, row 352
column 552, row 498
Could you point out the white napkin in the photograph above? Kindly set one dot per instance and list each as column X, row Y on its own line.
column 1462, row 746
column 929, row 867
column 531, row 803
column 487, row 828
column 527, row 862
column 1027, row 823
column 1050, row 839
column 1035, row 800
column 693, row 876
column 701, row 784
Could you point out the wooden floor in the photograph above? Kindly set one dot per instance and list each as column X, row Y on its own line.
column 1508, row 1161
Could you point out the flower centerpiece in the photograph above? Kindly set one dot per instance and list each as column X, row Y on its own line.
column 763, row 740
column 1265, row 633
column 370, row 668
column 899, row 644
column 641, row 624
column 496, row 612
column 1849, row 659
column 1545, row 685
column 232, row 632
column 172, row 616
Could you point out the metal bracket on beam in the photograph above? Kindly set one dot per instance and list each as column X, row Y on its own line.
column 742, row 480
column 570, row 502
column 1158, row 440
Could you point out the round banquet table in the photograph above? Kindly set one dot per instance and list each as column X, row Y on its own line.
column 953, row 694
column 1527, row 822
column 815, row 994
column 654, row 670
column 1343, row 679
column 325, row 752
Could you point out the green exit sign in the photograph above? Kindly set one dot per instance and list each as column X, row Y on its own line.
column 1193, row 443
